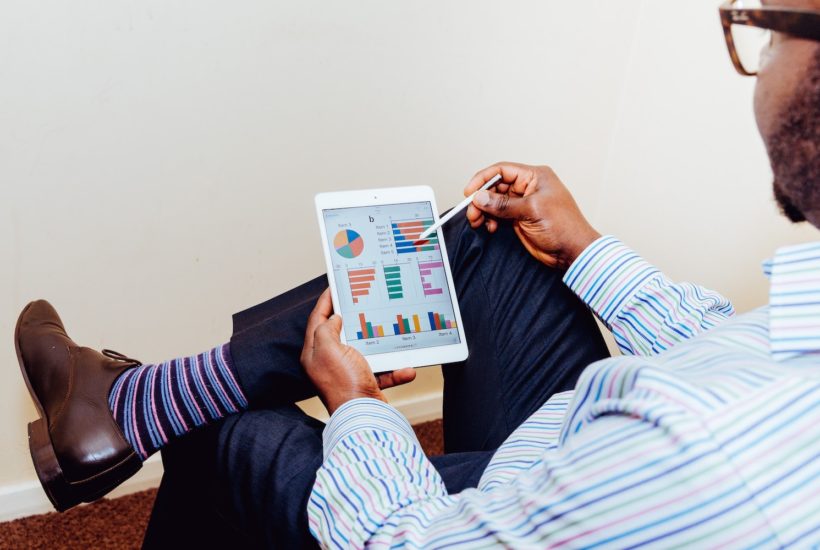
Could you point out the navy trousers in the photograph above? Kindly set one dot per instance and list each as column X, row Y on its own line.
column 245, row 481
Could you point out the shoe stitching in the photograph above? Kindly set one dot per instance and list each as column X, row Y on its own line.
column 68, row 391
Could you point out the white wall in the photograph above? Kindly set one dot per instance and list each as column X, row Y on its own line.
column 158, row 159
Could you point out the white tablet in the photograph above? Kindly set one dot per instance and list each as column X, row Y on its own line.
column 394, row 292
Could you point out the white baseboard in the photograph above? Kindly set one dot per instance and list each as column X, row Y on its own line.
column 27, row 498
column 421, row 409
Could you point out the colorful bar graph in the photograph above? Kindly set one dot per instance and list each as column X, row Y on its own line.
column 426, row 273
column 405, row 325
column 392, row 278
column 406, row 236
column 360, row 282
column 438, row 322
column 368, row 329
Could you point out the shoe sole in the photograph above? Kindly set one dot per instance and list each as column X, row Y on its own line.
column 62, row 493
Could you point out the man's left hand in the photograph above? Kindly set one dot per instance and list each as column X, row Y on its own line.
column 339, row 372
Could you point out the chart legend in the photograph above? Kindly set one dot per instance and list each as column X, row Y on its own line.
column 406, row 235
column 361, row 280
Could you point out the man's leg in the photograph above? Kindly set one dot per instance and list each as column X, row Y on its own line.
column 185, row 512
column 245, row 479
column 267, row 343
column 246, row 482
column 521, row 323
column 529, row 337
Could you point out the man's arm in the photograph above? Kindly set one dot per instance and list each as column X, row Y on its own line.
column 646, row 312
column 637, row 477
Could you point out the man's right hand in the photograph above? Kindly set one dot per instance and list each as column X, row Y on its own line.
column 544, row 214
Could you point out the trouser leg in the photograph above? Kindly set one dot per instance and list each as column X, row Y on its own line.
column 529, row 337
column 267, row 342
column 186, row 511
column 247, row 480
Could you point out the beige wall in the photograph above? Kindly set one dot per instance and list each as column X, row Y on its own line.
column 158, row 159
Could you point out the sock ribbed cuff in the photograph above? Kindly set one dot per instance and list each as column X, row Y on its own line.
column 154, row 403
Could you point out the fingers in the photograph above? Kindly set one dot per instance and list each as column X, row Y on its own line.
column 501, row 205
column 480, row 178
column 475, row 217
column 514, row 177
column 395, row 378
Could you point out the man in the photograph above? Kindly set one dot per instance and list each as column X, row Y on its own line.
column 704, row 433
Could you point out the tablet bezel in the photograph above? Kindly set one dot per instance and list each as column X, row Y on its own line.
column 389, row 361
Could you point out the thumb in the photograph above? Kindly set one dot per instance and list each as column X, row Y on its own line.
column 335, row 322
column 329, row 331
column 501, row 205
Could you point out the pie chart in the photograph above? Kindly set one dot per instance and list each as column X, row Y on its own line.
column 348, row 243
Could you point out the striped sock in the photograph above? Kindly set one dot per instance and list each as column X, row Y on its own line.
column 154, row 403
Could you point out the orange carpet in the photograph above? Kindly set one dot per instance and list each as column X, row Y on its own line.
column 120, row 522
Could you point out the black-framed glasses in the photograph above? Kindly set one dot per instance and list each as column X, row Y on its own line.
column 748, row 27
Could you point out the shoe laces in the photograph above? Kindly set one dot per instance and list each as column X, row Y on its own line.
column 117, row 356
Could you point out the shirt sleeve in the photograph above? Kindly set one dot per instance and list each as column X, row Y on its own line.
column 646, row 312
column 629, row 477
column 374, row 469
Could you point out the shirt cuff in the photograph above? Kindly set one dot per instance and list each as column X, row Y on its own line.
column 607, row 274
column 364, row 414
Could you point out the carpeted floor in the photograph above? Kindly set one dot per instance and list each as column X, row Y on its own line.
column 120, row 522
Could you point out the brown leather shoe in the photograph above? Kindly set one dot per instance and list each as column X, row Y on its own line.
column 78, row 450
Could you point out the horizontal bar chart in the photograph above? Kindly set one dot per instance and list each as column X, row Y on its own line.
column 406, row 236
column 392, row 279
column 361, row 280
column 426, row 270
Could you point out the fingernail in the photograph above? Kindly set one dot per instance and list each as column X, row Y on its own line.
column 482, row 198
column 332, row 316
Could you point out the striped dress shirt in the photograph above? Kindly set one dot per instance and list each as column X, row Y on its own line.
column 704, row 433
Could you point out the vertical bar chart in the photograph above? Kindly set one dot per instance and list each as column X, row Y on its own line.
column 411, row 324
column 360, row 282
column 402, row 325
column 392, row 278
column 406, row 235
column 426, row 270
column 438, row 322
column 368, row 330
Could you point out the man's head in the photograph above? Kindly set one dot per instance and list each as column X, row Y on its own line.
column 787, row 109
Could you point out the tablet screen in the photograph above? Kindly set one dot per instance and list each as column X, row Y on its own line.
column 392, row 288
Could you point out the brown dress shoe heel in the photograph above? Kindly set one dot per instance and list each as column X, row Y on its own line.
column 78, row 450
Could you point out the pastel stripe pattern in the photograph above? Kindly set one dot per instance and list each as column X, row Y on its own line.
column 696, row 438
column 794, row 299
column 645, row 311
column 154, row 403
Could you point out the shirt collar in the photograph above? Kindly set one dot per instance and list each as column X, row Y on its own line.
column 794, row 300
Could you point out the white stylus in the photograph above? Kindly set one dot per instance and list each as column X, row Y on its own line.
column 458, row 208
